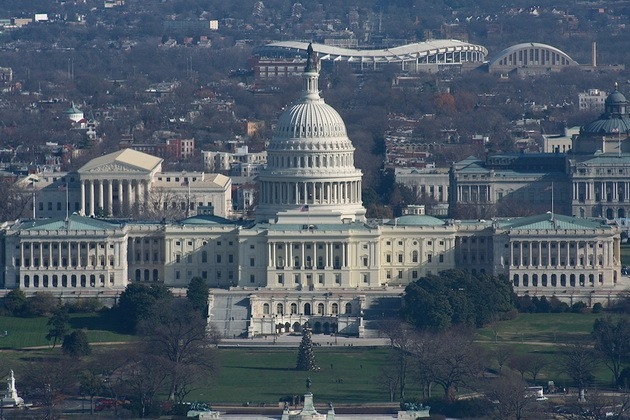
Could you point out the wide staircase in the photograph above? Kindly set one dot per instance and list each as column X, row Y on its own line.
column 377, row 308
column 229, row 313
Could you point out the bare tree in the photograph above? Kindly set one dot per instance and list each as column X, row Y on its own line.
column 177, row 335
column 402, row 338
column 388, row 380
column 502, row 354
column 579, row 361
column 50, row 385
column 520, row 363
column 511, row 401
column 612, row 342
column 454, row 360
column 536, row 365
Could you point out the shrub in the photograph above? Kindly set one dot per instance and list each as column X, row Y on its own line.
column 579, row 308
column 597, row 308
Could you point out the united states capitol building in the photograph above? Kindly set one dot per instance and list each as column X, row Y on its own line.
column 309, row 255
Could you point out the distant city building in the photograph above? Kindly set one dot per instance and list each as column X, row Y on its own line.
column 592, row 100
column 175, row 149
column 530, row 58
column 428, row 56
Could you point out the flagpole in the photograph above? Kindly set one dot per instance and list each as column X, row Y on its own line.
column 552, row 200
column 33, row 205
column 67, row 203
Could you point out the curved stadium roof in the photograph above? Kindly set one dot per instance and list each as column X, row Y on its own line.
column 526, row 46
column 398, row 54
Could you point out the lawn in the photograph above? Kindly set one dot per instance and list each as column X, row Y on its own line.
column 346, row 375
column 31, row 332
column 545, row 328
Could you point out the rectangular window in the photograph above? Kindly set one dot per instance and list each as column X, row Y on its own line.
column 429, row 257
column 280, row 278
column 441, row 258
column 321, row 279
column 252, row 278
column 400, row 258
column 230, row 258
column 252, row 262
column 218, row 258
column 178, row 258
column 177, row 275
column 414, row 274
column 204, row 274
column 400, row 274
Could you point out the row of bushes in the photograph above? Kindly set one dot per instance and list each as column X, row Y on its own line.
column 15, row 303
column 528, row 304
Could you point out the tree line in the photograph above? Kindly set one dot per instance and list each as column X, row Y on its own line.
column 172, row 350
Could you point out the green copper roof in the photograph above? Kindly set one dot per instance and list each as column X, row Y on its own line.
column 416, row 220
column 205, row 220
column 74, row 222
column 551, row 222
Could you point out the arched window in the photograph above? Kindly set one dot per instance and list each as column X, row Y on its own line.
column 572, row 280
column 307, row 309
column 334, row 309
column 544, row 280
column 414, row 256
column 563, row 280
column 525, row 280
column 27, row 281
column 294, row 309
column 280, row 309
column 320, row 309
column 535, row 280
column 265, row 309
column 204, row 256
column 554, row 280
column 348, row 308
column 515, row 281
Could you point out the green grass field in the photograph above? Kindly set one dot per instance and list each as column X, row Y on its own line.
column 545, row 328
column 31, row 332
column 346, row 374
column 265, row 375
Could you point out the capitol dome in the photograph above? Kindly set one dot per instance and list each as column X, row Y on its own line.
column 615, row 118
column 310, row 160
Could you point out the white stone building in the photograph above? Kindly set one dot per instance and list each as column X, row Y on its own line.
column 310, row 255
column 127, row 183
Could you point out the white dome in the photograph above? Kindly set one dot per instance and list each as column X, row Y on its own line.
column 310, row 119
column 310, row 163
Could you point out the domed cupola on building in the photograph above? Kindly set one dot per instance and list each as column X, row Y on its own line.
column 610, row 131
column 310, row 170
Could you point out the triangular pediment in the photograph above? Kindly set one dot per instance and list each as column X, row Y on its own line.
column 115, row 167
column 123, row 161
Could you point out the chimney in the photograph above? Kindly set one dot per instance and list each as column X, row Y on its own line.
column 594, row 52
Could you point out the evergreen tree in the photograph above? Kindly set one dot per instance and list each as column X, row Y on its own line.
column 306, row 356
column 76, row 344
column 58, row 325
column 197, row 294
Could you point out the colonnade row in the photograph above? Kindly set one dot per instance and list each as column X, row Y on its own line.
column 301, row 193
column 146, row 250
column 601, row 191
column 321, row 160
column 45, row 281
column 564, row 253
column 98, row 195
column 560, row 280
column 473, row 193
column 308, row 255
column 70, row 254
column 307, row 308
